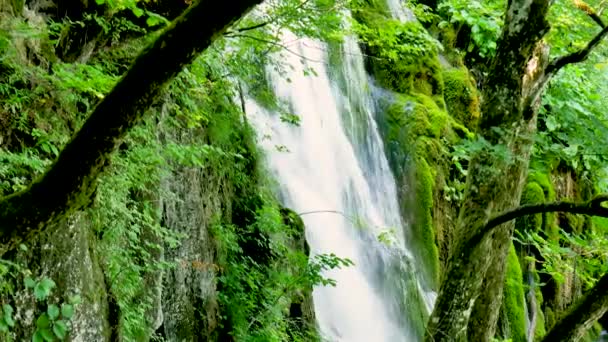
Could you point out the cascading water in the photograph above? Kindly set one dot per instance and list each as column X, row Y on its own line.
column 333, row 170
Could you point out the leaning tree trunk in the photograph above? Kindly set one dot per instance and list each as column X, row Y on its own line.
column 71, row 182
column 496, row 175
column 585, row 312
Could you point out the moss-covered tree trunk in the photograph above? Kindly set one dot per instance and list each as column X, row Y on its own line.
column 591, row 307
column 470, row 295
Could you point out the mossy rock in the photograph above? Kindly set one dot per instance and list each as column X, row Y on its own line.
column 532, row 193
column 406, row 76
column 423, row 227
column 370, row 12
column 448, row 36
column 550, row 227
column 419, row 115
column 432, row 151
column 514, row 298
column 540, row 330
column 405, row 54
column 419, row 129
column 544, row 182
column 461, row 96
column 550, row 318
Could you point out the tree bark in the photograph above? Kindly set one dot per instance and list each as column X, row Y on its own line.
column 591, row 307
column 70, row 183
column 494, row 182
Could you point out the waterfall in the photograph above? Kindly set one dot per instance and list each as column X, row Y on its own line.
column 332, row 169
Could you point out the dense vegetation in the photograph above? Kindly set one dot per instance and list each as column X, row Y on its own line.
column 136, row 204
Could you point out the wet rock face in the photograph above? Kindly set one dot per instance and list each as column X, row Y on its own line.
column 65, row 255
column 189, row 305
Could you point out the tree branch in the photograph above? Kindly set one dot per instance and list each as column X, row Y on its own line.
column 70, row 183
column 592, row 207
column 591, row 307
column 253, row 27
column 594, row 304
column 578, row 56
column 595, row 16
column 265, row 23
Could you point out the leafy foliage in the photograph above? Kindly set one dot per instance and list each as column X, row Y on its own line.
column 483, row 18
column 395, row 40
column 258, row 288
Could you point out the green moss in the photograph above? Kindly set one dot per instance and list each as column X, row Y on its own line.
column 461, row 96
column 370, row 12
column 431, row 150
column 405, row 76
column 541, row 329
column 514, row 298
column 448, row 37
column 593, row 334
column 532, row 193
column 424, row 220
column 419, row 115
column 542, row 179
column 549, row 317
column 406, row 55
column 573, row 222
column 462, row 132
column 544, row 182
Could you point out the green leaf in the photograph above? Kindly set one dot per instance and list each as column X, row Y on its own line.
column 60, row 329
column 48, row 335
column 8, row 315
column 138, row 12
column 37, row 337
column 7, row 309
column 3, row 326
column 43, row 288
column 551, row 123
column 75, row 300
column 29, row 282
column 53, row 311
column 155, row 19
column 67, row 311
column 43, row 321
column 570, row 151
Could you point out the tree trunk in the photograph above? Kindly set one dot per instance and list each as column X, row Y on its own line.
column 71, row 182
column 482, row 323
column 585, row 312
column 495, row 178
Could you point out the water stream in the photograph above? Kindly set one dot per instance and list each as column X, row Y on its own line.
column 333, row 169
